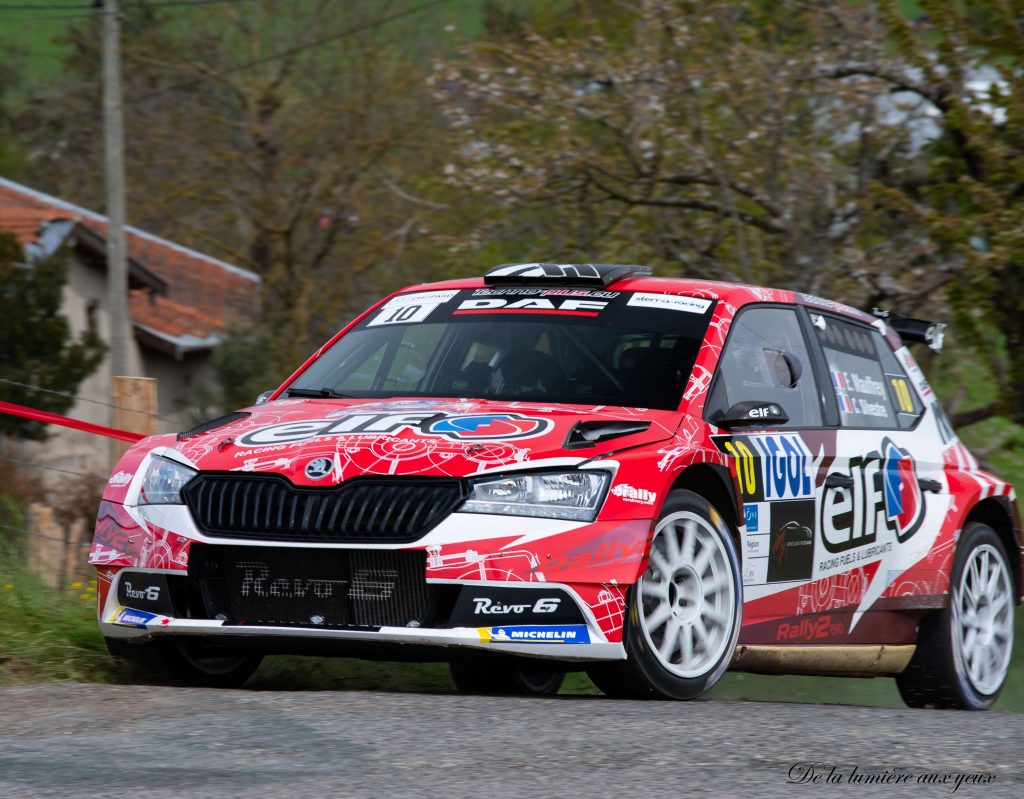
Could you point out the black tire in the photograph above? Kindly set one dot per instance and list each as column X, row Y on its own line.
column 683, row 593
column 481, row 677
column 183, row 662
column 947, row 670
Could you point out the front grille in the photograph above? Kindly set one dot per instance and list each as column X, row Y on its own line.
column 268, row 507
column 312, row 587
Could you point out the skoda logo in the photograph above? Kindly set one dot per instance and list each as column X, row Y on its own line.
column 319, row 468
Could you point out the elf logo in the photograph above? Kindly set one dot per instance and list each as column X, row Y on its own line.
column 488, row 426
column 458, row 427
column 877, row 494
column 904, row 506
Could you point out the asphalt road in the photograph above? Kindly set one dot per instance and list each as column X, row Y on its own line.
column 134, row 742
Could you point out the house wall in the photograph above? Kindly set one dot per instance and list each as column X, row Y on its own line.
column 183, row 387
column 84, row 453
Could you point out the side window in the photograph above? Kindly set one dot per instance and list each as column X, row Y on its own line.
column 901, row 393
column 766, row 359
column 871, row 391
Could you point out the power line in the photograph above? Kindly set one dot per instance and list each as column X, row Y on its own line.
column 183, row 3
column 92, row 6
column 95, row 13
column 91, row 12
column 52, row 468
column 68, row 395
column 44, row 6
column 141, row 98
column 81, row 544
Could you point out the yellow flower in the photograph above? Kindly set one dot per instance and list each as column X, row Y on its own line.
column 76, row 585
column 85, row 597
column 92, row 582
column 9, row 587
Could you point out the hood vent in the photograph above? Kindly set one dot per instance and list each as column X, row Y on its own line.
column 589, row 434
column 213, row 424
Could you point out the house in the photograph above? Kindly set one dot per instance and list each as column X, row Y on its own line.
column 181, row 304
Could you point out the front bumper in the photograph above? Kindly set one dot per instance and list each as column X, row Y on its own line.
column 144, row 604
column 462, row 637
column 591, row 563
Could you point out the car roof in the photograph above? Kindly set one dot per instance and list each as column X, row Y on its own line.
column 734, row 294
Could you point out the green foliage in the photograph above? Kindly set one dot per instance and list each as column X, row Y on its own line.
column 36, row 345
column 46, row 634
column 242, row 368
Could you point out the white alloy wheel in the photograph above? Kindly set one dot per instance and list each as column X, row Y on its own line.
column 963, row 650
column 688, row 596
column 983, row 607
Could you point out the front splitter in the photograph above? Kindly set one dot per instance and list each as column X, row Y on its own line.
column 460, row 637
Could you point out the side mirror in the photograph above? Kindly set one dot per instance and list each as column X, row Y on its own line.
column 785, row 366
column 752, row 413
column 263, row 397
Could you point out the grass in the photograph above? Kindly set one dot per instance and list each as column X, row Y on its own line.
column 46, row 634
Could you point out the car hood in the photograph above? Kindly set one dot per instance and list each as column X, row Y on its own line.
column 317, row 442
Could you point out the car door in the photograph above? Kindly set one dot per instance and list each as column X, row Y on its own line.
column 882, row 496
column 766, row 359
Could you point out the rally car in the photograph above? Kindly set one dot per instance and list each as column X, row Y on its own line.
column 578, row 467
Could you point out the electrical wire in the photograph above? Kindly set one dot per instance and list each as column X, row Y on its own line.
column 52, row 468
column 68, row 395
column 348, row 32
column 82, row 544
column 98, row 5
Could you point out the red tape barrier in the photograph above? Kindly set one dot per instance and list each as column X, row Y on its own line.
column 66, row 421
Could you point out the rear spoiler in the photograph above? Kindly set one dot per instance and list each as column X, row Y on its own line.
column 919, row 331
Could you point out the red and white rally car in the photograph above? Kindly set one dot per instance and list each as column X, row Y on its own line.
column 562, row 467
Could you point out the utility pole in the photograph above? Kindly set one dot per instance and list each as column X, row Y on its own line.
column 113, row 146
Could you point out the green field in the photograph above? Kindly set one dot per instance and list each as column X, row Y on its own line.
column 31, row 39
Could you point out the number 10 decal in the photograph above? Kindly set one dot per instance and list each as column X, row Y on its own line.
column 406, row 315
column 410, row 308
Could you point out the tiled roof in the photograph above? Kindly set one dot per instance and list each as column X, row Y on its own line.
column 205, row 295
column 24, row 223
column 169, row 317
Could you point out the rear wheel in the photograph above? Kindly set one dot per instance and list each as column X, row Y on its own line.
column 963, row 651
column 481, row 677
column 683, row 615
column 186, row 662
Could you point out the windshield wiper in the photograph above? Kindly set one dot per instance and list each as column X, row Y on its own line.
column 329, row 393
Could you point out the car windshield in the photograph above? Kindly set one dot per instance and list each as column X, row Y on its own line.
column 574, row 346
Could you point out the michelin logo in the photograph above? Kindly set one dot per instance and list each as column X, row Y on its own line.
column 133, row 618
column 536, row 634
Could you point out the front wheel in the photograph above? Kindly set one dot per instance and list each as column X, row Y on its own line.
column 481, row 677
column 963, row 651
column 683, row 614
column 185, row 662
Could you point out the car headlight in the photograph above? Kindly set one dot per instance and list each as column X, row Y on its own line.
column 551, row 495
column 163, row 482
